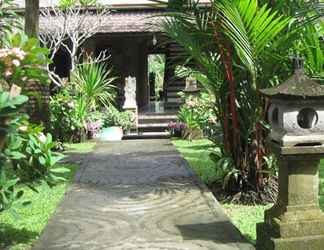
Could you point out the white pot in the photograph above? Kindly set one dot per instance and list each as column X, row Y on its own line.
column 111, row 134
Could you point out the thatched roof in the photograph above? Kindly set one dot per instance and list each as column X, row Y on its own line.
column 115, row 4
column 115, row 22
column 111, row 3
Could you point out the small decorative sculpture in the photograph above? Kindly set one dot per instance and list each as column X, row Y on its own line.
column 130, row 103
column 130, row 93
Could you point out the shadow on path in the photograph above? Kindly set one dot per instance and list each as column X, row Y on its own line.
column 139, row 195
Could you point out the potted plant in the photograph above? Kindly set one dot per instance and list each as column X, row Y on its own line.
column 115, row 124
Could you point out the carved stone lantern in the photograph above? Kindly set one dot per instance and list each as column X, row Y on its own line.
column 296, row 116
column 191, row 89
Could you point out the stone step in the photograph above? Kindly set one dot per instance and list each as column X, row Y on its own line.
column 153, row 127
column 173, row 94
column 147, row 119
column 173, row 105
column 175, row 100
column 147, row 135
column 175, row 89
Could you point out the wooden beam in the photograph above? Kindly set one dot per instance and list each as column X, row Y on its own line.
column 32, row 18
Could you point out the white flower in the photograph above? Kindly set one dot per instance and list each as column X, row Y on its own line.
column 42, row 137
column 16, row 62
column 71, row 105
column 23, row 128
column 19, row 53
column 8, row 73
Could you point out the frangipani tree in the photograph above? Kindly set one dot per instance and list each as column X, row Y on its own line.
column 71, row 28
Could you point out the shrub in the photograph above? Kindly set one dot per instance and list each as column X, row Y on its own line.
column 66, row 117
column 198, row 113
column 31, row 155
column 92, row 80
column 23, row 59
column 113, row 117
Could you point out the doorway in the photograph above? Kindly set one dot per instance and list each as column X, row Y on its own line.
column 156, row 70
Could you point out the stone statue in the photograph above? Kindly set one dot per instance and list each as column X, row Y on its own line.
column 130, row 93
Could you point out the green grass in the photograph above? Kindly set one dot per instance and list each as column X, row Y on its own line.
column 21, row 226
column 197, row 154
column 80, row 148
column 243, row 217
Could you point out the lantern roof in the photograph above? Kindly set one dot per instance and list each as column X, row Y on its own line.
column 298, row 85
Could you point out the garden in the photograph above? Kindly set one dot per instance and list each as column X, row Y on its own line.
column 233, row 49
column 36, row 147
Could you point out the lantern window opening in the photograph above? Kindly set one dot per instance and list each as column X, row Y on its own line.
column 307, row 118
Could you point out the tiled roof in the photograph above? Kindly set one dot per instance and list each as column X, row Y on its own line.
column 119, row 21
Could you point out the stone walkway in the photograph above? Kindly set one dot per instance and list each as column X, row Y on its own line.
column 139, row 195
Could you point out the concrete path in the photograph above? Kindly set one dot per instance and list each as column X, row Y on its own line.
column 139, row 195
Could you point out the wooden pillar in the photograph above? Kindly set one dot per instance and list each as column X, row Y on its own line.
column 32, row 17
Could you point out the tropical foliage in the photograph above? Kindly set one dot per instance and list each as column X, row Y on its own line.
column 22, row 59
column 239, row 47
column 74, row 107
column 114, row 117
column 93, row 82
column 156, row 64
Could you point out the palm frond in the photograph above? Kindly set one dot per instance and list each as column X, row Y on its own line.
column 94, row 82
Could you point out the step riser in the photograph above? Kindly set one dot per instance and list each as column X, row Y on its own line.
column 162, row 120
column 174, row 89
column 173, row 106
column 173, row 95
column 142, row 137
column 175, row 100
column 152, row 129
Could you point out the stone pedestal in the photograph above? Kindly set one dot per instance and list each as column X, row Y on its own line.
column 295, row 222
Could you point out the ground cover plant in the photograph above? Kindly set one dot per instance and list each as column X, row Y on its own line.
column 233, row 56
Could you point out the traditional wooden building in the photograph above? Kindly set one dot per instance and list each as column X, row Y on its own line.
column 128, row 35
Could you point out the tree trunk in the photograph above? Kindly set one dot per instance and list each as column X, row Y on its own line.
column 32, row 18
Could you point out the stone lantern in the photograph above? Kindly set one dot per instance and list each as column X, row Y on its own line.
column 296, row 116
column 191, row 88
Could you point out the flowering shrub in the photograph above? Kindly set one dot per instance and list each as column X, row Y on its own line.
column 67, row 122
column 176, row 128
column 22, row 60
column 11, row 59
column 95, row 121
column 199, row 113
column 26, row 154
column 31, row 155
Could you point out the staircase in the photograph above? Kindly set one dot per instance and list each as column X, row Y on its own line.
column 173, row 84
column 152, row 126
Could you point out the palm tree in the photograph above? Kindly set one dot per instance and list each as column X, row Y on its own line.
column 229, row 42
